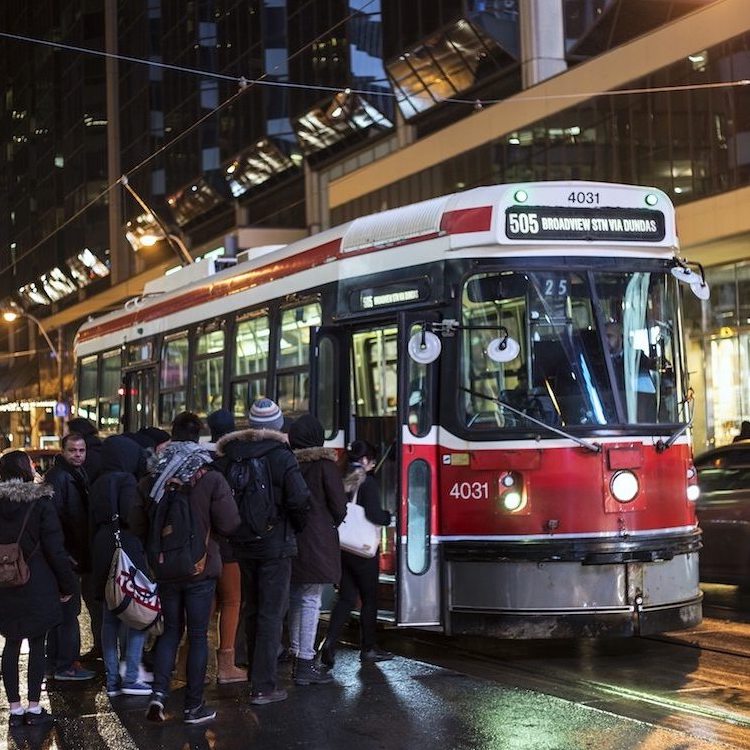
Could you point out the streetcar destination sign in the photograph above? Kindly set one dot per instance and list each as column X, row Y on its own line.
column 587, row 224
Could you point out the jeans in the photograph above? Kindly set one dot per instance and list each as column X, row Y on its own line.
column 189, row 602
column 359, row 579
column 266, row 588
column 64, row 641
column 304, row 611
column 112, row 628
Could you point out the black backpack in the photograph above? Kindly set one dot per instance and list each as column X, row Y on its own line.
column 175, row 550
column 252, row 487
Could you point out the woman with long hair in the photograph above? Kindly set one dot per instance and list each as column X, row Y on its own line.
column 27, row 611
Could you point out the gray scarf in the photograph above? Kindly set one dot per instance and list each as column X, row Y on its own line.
column 179, row 460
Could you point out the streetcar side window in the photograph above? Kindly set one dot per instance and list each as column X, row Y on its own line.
column 208, row 372
column 418, row 519
column 419, row 396
column 292, row 376
column 250, row 361
column 87, row 388
column 109, row 393
column 173, row 377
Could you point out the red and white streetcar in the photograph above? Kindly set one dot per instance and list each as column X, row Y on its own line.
column 516, row 353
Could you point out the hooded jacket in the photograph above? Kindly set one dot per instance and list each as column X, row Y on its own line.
column 117, row 485
column 291, row 494
column 319, row 556
column 31, row 610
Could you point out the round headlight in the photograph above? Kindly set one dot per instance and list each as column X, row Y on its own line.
column 624, row 486
column 512, row 500
column 693, row 492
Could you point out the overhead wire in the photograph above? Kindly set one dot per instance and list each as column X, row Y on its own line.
column 244, row 86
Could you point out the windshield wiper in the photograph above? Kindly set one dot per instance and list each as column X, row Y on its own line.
column 662, row 445
column 585, row 443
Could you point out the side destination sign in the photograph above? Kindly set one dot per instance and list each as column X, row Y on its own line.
column 587, row 224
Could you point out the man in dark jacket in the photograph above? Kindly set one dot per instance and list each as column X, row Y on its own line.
column 87, row 430
column 266, row 560
column 70, row 483
column 183, row 467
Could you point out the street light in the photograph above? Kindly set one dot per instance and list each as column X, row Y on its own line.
column 149, row 240
column 11, row 314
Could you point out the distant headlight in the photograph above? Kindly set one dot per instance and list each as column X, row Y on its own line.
column 693, row 492
column 624, row 486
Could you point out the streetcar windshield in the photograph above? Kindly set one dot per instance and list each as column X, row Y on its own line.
column 596, row 348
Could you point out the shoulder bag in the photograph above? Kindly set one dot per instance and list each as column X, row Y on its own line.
column 356, row 534
column 130, row 593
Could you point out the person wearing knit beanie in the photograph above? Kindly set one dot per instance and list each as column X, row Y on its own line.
column 265, row 414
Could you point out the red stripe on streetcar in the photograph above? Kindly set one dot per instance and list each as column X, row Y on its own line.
column 467, row 220
column 453, row 222
column 311, row 258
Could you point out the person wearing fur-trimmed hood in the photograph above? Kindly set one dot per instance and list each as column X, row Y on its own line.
column 318, row 561
column 28, row 517
column 265, row 560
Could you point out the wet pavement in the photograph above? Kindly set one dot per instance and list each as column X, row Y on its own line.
column 399, row 704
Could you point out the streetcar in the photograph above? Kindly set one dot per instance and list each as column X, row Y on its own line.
column 515, row 352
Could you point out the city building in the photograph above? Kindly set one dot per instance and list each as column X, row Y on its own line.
column 252, row 122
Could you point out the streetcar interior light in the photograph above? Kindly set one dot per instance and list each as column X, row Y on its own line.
column 651, row 199
column 512, row 500
column 624, row 486
column 693, row 492
column 521, row 196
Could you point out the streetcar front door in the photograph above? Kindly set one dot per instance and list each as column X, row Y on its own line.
column 419, row 581
column 140, row 399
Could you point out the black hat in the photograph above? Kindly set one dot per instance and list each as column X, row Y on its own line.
column 150, row 437
column 306, row 432
column 82, row 426
column 220, row 422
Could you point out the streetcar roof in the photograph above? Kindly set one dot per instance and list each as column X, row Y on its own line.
column 476, row 220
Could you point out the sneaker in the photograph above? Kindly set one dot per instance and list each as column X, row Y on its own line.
column 274, row 696
column 42, row 718
column 143, row 674
column 199, row 714
column 136, row 688
column 155, row 710
column 74, row 673
column 375, row 654
column 113, row 692
column 307, row 672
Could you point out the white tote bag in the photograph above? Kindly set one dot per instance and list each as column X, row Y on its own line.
column 356, row 534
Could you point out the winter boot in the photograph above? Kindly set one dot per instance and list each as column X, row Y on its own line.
column 226, row 670
column 309, row 673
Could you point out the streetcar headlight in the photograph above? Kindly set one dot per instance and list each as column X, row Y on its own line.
column 693, row 492
column 512, row 501
column 624, row 486
column 521, row 196
column 651, row 199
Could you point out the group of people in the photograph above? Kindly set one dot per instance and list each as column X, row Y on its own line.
column 135, row 491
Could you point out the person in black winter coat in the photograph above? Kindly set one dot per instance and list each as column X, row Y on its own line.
column 265, row 561
column 30, row 610
column 70, row 482
column 88, row 431
column 318, row 561
column 115, row 491
column 359, row 575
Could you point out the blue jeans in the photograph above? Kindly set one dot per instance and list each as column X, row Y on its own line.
column 266, row 592
column 112, row 629
column 304, row 611
column 189, row 602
